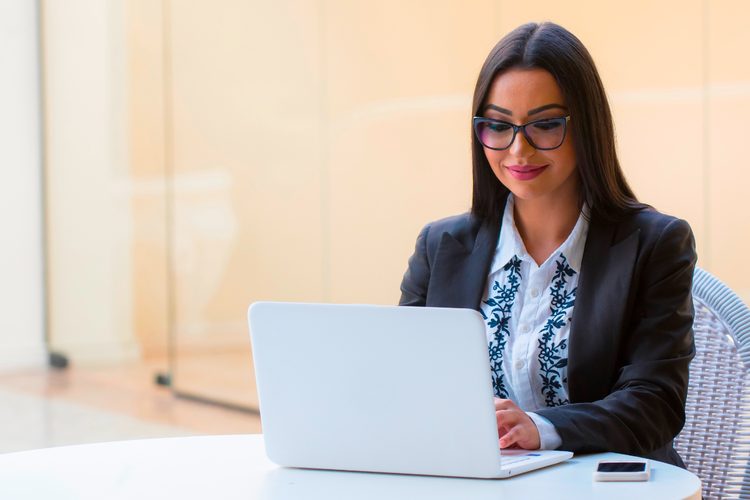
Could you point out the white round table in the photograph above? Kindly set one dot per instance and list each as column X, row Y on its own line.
column 229, row 467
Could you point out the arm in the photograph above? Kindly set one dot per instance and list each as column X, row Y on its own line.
column 645, row 409
column 417, row 276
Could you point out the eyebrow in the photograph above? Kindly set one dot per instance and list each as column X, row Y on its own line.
column 498, row 108
column 546, row 107
column 531, row 112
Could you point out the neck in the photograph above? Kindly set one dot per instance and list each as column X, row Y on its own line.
column 544, row 224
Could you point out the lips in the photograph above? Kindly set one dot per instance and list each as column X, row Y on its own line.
column 526, row 172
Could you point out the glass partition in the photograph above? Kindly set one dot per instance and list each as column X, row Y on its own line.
column 296, row 136
column 308, row 142
column 246, row 183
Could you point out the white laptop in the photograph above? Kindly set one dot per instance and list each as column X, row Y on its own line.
column 389, row 389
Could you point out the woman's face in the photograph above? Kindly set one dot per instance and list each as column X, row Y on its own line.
column 518, row 97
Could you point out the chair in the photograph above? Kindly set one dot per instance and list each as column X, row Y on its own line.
column 715, row 442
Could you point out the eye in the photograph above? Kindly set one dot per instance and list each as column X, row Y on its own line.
column 547, row 126
column 498, row 127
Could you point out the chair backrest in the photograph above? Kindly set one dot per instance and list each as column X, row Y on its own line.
column 715, row 442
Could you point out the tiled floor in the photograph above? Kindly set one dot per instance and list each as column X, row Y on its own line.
column 46, row 408
column 29, row 422
column 222, row 374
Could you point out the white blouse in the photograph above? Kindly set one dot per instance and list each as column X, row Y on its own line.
column 528, row 311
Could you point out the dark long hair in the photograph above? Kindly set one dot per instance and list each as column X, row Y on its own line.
column 552, row 48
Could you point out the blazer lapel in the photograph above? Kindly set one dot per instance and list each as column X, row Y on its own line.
column 603, row 288
column 459, row 273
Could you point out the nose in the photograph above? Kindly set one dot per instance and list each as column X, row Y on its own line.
column 521, row 147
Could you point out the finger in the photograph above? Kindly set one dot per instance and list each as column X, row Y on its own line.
column 506, row 418
column 521, row 436
column 510, row 438
column 505, row 404
column 511, row 447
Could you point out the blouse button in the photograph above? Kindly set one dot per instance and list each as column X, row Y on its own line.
column 533, row 292
column 524, row 328
column 519, row 364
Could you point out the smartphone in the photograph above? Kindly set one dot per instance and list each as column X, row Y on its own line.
column 615, row 470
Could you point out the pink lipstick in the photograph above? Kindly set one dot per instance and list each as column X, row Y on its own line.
column 526, row 172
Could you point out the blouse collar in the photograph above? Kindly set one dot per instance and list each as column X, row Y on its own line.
column 511, row 245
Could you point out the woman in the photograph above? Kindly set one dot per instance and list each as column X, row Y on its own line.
column 585, row 291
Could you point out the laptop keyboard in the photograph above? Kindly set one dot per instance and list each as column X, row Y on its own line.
column 514, row 460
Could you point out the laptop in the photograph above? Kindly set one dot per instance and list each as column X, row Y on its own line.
column 391, row 389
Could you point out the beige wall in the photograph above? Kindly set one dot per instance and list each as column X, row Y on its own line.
column 145, row 58
column 312, row 140
column 728, row 165
column 22, row 315
column 91, row 292
column 398, row 98
column 309, row 148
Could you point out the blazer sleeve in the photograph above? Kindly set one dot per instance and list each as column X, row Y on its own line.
column 645, row 409
column 417, row 277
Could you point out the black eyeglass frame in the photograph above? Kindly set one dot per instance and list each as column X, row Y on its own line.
column 562, row 120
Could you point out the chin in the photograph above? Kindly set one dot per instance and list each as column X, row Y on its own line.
column 537, row 188
column 527, row 192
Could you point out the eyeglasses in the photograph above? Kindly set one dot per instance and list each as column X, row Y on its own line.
column 544, row 134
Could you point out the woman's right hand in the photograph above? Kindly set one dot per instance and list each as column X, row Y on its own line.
column 514, row 427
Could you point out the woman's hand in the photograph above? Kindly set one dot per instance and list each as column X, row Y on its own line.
column 515, row 427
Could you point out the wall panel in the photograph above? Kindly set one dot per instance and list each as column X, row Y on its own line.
column 22, row 293
column 313, row 140
column 88, row 173
column 660, row 144
column 637, row 44
column 145, row 40
column 728, row 132
column 244, row 97
column 246, row 117
column 400, row 79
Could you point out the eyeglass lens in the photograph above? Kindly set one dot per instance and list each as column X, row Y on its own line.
column 543, row 134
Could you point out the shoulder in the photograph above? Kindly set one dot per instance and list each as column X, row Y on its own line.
column 655, row 228
column 463, row 228
column 666, row 245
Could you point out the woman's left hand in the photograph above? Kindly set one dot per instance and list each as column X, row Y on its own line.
column 515, row 427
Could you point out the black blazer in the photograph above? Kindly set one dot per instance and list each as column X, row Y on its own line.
column 631, row 337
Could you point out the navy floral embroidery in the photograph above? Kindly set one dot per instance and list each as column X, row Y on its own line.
column 498, row 318
column 553, row 357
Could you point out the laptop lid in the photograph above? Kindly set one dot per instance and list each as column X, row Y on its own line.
column 375, row 388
